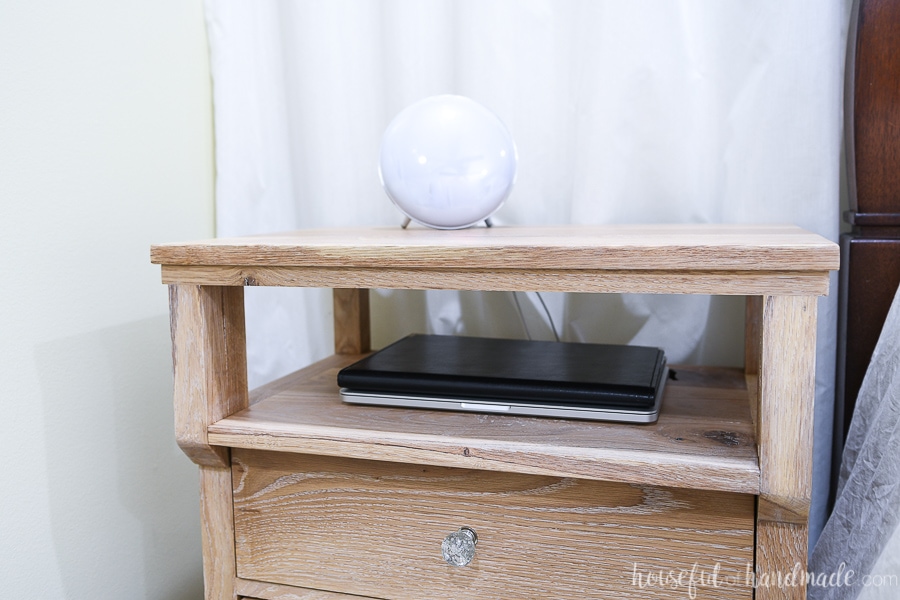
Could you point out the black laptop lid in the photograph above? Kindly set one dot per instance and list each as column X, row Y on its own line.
column 613, row 376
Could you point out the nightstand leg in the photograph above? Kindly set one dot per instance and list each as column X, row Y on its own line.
column 209, row 353
column 753, row 334
column 217, row 522
column 786, row 397
column 351, row 321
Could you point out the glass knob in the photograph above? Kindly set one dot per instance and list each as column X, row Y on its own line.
column 458, row 548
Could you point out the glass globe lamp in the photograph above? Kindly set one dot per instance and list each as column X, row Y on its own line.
column 447, row 162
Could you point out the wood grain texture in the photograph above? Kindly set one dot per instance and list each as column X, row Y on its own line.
column 753, row 334
column 624, row 247
column 869, row 281
column 563, row 483
column 786, row 397
column 787, row 393
column 546, row 280
column 873, row 140
column 352, row 331
column 210, row 365
column 871, row 253
column 753, row 353
column 781, row 561
column 275, row 591
column 704, row 437
column 375, row 528
column 753, row 393
column 217, row 533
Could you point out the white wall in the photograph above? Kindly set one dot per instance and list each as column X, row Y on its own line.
column 105, row 147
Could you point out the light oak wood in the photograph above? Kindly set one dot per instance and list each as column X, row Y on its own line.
column 369, row 527
column 753, row 353
column 723, row 434
column 275, row 591
column 668, row 259
column 753, row 334
column 787, row 393
column 753, row 393
column 217, row 533
column 786, row 397
column 594, row 281
column 703, row 439
column 780, row 571
column 351, row 321
column 625, row 247
column 210, row 365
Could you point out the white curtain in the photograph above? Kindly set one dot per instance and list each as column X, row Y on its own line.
column 651, row 111
column 863, row 532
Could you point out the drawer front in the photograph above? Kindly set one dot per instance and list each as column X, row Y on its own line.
column 375, row 529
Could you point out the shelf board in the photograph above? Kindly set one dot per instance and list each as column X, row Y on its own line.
column 704, row 437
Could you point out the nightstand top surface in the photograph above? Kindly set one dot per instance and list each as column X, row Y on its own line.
column 662, row 259
column 656, row 247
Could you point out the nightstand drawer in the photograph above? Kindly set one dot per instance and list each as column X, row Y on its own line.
column 376, row 528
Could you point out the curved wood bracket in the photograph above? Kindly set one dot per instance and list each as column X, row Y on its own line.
column 209, row 354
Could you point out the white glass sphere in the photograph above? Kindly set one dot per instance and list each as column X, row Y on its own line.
column 447, row 162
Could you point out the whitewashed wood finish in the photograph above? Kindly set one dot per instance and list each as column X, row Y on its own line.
column 210, row 365
column 351, row 321
column 628, row 247
column 786, row 397
column 368, row 527
column 779, row 547
column 665, row 259
column 217, row 533
column 548, row 280
column 274, row 591
column 704, row 437
column 753, row 393
column 753, row 333
column 787, row 393
column 753, row 353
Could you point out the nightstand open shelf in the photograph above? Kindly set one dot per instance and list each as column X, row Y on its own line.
column 302, row 493
column 704, row 438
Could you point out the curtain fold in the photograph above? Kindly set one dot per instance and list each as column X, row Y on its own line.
column 866, row 513
column 652, row 111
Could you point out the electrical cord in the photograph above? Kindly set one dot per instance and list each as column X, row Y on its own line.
column 546, row 311
column 521, row 315
column 549, row 317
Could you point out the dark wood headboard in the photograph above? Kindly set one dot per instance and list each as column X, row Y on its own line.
column 870, row 253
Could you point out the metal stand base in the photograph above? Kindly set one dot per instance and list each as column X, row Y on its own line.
column 407, row 221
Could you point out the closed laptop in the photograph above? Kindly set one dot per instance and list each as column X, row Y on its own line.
column 558, row 379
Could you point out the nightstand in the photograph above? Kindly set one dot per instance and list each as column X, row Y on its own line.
column 304, row 496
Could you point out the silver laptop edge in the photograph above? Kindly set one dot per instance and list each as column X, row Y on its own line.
column 509, row 408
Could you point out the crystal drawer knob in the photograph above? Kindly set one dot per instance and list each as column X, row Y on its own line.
column 458, row 548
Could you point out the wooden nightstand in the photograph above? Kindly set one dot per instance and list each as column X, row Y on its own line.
column 306, row 497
